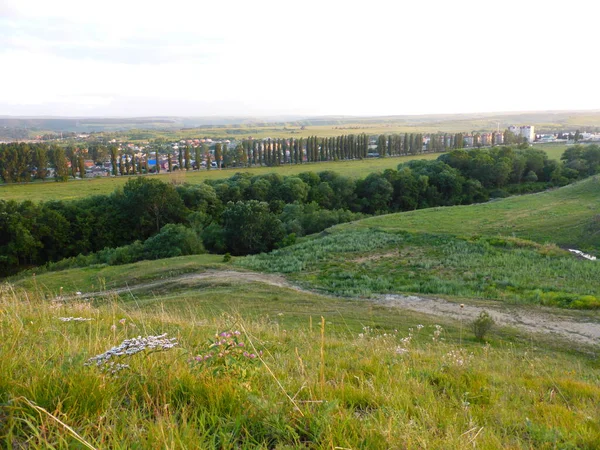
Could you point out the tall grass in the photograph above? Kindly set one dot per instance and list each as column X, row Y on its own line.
column 318, row 387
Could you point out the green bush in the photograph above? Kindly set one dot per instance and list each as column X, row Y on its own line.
column 482, row 325
column 172, row 240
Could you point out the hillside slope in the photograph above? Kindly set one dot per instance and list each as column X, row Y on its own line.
column 568, row 217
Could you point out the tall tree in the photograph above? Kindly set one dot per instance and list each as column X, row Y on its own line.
column 114, row 155
column 218, row 154
column 188, row 165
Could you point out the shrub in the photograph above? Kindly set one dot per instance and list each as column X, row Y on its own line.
column 173, row 240
column 482, row 325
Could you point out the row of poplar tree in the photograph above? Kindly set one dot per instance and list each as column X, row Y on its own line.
column 22, row 162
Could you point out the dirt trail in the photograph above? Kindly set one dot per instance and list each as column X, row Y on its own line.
column 584, row 331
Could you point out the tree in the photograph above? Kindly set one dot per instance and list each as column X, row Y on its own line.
column 250, row 227
column 197, row 157
column 145, row 205
column 218, row 154
column 382, row 145
column 81, row 164
column 180, row 159
column 157, row 160
column 187, row 157
column 40, row 160
column 59, row 161
column 114, row 155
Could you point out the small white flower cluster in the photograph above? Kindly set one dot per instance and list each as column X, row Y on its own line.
column 114, row 367
column 74, row 319
column 130, row 347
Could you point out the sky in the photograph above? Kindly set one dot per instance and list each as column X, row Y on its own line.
column 251, row 58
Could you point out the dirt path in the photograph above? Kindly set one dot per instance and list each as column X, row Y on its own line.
column 583, row 331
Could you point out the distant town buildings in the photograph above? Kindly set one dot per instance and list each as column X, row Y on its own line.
column 526, row 131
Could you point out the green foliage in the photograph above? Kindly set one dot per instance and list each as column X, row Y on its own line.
column 250, row 227
column 173, row 240
column 482, row 325
column 366, row 262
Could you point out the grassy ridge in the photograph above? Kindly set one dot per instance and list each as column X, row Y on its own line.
column 569, row 216
column 314, row 388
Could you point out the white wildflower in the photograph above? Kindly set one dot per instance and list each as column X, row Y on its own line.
column 130, row 347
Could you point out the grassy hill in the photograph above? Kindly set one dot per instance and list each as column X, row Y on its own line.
column 297, row 370
column 568, row 217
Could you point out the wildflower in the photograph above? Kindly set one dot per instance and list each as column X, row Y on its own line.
column 122, row 321
column 401, row 350
column 78, row 293
column 419, row 327
column 132, row 346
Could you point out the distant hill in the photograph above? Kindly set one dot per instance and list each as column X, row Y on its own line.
column 543, row 120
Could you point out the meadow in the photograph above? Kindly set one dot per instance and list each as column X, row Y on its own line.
column 290, row 350
column 255, row 366
column 568, row 217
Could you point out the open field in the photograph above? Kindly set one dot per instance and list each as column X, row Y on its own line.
column 101, row 186
column 569, row 216
column 316, row 385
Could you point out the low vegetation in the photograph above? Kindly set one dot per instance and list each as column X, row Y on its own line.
column 301, row 380
column 367, row 262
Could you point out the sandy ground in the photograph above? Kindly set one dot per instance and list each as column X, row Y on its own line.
column 536, row 320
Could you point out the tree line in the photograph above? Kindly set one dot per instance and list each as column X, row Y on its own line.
column 24, row 162
column 248, row 214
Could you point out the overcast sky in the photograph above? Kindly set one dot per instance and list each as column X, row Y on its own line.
column 259, row 57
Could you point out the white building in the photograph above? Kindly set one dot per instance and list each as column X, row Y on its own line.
column 526, row 131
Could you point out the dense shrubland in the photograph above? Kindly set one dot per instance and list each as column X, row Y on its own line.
column 248, row 214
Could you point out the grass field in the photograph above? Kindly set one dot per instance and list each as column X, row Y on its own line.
column 569, row 216
column 363, row 376
column 82, row 188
